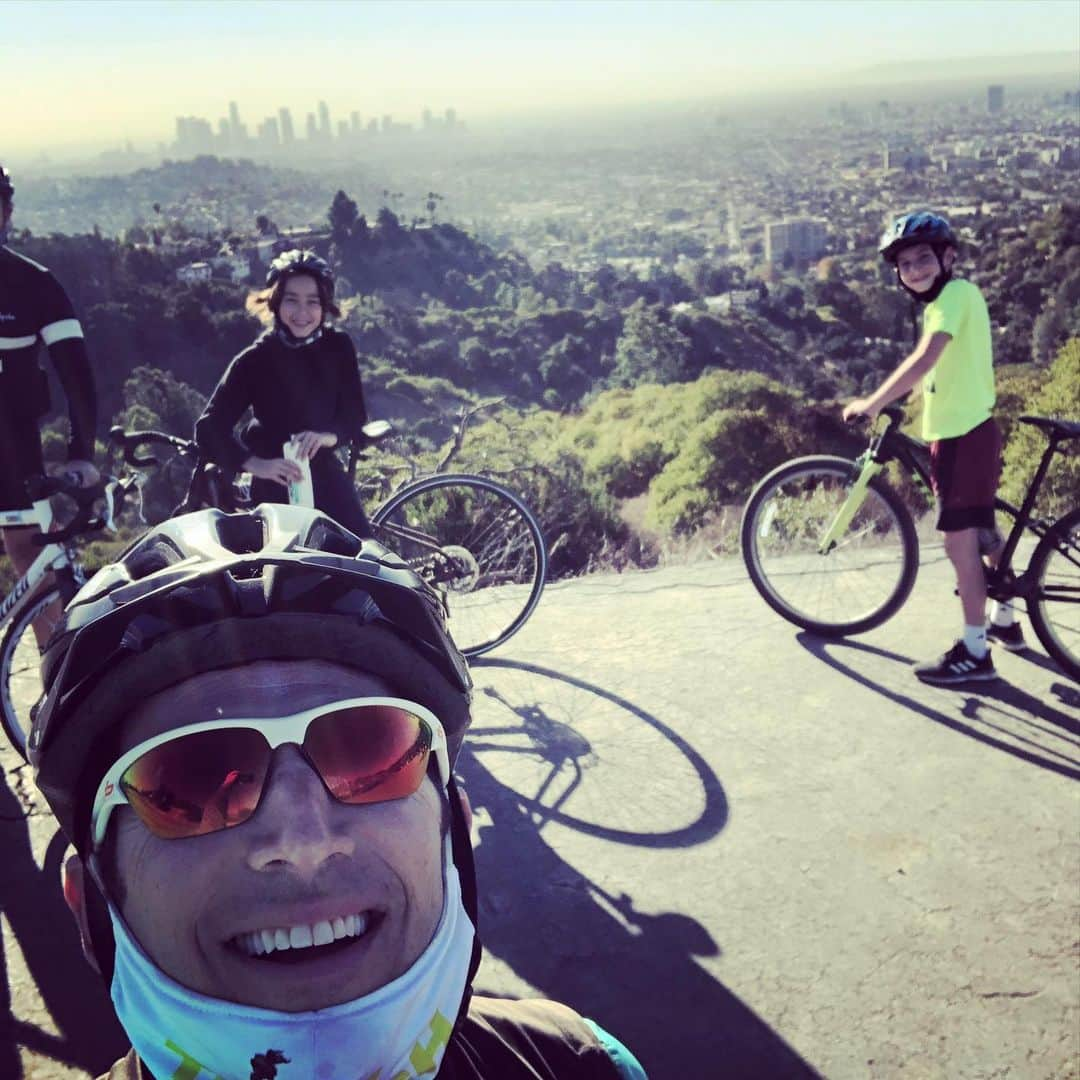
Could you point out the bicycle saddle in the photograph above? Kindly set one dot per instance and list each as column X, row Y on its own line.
column 1055, row 429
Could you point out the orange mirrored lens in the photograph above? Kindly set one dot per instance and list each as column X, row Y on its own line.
column 212, row 780
column 369, row 754
column 198, row 783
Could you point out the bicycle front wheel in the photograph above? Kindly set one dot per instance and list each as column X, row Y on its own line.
column 20, row 671
column 858, row 584
column 1054, row 604
column 476, row 542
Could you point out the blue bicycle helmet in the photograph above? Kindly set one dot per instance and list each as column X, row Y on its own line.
column 921, row 227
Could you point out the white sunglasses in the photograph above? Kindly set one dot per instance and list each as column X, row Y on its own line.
column 204, row 777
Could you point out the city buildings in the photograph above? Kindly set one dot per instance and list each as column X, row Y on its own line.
column 801, row 239
column 275, row 135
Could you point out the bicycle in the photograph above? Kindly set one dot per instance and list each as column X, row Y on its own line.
column 53, row 578
column 834, row 549
column 469, row 537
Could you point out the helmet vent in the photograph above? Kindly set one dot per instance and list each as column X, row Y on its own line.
column 332, row 539
column 242, row 534
column 150, row 558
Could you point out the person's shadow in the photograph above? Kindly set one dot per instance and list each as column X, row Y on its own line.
column 635, row 973
column 996, row 714
column 63, row 984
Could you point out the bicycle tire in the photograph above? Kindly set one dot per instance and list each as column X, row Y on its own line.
column 1054, row 603
column 20, row 677
column 872, row 569
column 479, row 544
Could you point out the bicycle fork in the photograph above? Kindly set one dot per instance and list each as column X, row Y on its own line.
column 869, row 468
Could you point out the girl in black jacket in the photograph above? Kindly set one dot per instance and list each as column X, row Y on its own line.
column 301, row 380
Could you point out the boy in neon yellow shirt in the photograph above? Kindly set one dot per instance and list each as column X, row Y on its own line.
column 954, row 361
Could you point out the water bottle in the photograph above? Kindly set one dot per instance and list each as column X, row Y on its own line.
column 301, row 492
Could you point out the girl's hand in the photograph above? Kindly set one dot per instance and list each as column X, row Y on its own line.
column 309, row 443
column 279, row 470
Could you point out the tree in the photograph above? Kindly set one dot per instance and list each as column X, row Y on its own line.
column 431, row 202
column 342, row 216
column 388, row 224
column 1057, row 396
column 649, row 350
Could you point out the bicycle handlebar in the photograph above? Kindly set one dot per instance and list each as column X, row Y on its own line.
column 131, row 441
column 41, row 487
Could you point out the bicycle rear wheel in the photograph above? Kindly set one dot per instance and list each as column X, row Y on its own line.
column 476, row 542
column 1054, row 604
column 20, row 672
column 857, row 585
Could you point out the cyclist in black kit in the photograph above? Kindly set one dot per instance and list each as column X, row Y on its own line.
column 34, row 308
column 300, row 379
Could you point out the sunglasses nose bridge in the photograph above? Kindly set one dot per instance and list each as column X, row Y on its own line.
column 294, row 824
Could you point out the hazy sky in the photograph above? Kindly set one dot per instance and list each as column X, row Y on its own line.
column 92, row 69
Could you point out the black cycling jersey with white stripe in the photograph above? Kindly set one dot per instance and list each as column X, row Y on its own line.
column 33, row 309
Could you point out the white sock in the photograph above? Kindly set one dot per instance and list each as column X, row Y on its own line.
column 1002, row 614
column 975, row 641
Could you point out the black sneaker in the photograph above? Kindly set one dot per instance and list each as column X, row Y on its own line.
column 956, row 666
column 1010, row 638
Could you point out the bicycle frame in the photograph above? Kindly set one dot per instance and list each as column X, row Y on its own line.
column 51, row 559
column 893, row 445
column 890, row 445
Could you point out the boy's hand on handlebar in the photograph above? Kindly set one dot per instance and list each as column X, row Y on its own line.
column 860, row 408
column 279, row 470
column 309, row 443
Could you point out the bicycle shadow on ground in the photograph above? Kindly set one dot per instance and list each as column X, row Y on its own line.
column 632, row 971
column 561, row 745
column 59, row 989
column 997, row 713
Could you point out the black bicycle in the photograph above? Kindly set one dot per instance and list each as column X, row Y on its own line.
column 833, row 548
column 471, row 538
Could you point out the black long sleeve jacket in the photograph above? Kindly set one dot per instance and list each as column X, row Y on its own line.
column 312, row 388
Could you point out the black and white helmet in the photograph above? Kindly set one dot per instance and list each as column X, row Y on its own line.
column 211, row 590
column 300, row 261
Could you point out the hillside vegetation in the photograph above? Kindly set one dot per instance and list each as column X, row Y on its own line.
column 635, row 414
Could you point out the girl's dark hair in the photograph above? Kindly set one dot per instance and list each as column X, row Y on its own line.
column 269, row 300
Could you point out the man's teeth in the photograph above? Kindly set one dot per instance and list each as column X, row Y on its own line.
column 262, row 942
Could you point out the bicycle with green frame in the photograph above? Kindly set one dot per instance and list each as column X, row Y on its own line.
column 832, row 547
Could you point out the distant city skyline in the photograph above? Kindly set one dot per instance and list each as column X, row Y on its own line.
column 125, row 69
column 280, row 132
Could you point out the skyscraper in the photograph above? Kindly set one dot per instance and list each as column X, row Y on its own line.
column 268, row 133
column 324, row 121
column 995, row 98
column 312, row 128
column 285, row 116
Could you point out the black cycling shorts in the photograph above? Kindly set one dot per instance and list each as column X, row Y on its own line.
column 965, row 472
column 20, row 459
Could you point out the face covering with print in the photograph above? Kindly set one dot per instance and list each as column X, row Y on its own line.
column 401, row 1029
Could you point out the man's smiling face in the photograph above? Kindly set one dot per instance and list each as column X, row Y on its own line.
column 354, row 892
